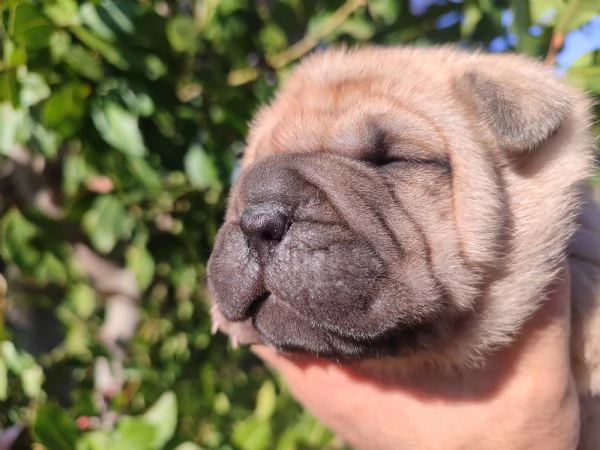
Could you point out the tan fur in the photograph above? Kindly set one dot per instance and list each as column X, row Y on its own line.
column 527, row 150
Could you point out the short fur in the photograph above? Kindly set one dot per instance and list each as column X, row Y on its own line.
column 411, row 205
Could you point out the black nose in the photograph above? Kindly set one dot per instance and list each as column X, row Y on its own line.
column 264, row 223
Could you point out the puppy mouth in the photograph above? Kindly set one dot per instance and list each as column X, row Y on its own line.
column 257, row 303
column 292, row 332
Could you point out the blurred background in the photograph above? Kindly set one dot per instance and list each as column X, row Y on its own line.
column 120, row 125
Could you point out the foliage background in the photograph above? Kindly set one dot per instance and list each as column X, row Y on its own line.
column 120, row 124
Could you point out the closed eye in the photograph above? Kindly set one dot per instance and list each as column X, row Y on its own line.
column 394, row 161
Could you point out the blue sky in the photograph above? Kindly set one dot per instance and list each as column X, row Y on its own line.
column 577, row 43
column 580, row 42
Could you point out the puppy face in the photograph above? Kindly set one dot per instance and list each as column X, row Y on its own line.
column 331, row 252
column 376, row 214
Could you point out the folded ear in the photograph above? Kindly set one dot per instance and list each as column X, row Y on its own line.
column 522, row 105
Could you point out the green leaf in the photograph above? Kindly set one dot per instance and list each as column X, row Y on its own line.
column 119, row 14
column 83, row 300
column 200, row 168
column 545, row 12
column 3, row 380
column 60, row 45
column 133, row 433
column 74, row 173
column 273, row 38
column 576, row 13
column 9, row 124
column 181, row 34
column 136, row 98
column 54, row 428
column 470, row 21
column 526, row 43
column 266, row 399
column 77, row 340
column 106, row 222
column 253, row 434
column 141, row 263
column 384, row 10
column 25, row 128
column 33, row 88
column 17, row 362
column 32, row 380
column 9, row 89
column 43, row 141
column 90, row 17
column 83, row 63
column 31, row 28
column 11, row 357
column 163, row 418
column 18, row 235
column 64, row 110
column 145, row 174
column 51, row 269
column 154, row 67
column 106, row 49
column 312, row 432
column 94, row 440
column 118, row 127
column 63, row 13
column 358, row 28
column 586, row 78
column 14, row 55
column 187, row 446
column 222, row 405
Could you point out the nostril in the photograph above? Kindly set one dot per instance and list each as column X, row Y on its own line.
column 264, row 222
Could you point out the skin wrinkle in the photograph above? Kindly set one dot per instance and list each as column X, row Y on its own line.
column 328, row 199
column 381, row 219
column 319, row 222
column 454, row 198
column 445, row 295
column 479, row 134
column 439, row 132
column 402, row 139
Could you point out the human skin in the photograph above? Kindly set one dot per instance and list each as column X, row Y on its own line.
column 524, row 398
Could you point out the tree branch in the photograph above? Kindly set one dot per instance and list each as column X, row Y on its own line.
column 300, row 48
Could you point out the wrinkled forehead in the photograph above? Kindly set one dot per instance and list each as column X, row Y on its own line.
column 355, row 118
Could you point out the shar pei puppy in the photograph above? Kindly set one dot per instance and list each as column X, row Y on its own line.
column 408, row 207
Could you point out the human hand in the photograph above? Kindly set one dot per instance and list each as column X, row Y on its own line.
column 524, row 398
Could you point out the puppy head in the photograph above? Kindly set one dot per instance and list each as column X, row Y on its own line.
column 373, row 213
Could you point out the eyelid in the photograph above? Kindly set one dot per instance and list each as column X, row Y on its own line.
column 442, row 162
